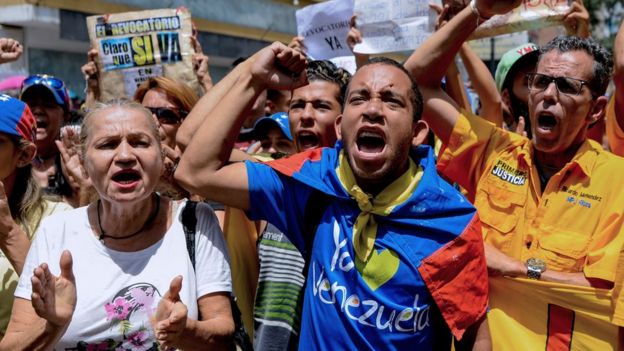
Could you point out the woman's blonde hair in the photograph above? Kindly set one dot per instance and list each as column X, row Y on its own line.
column 26, row 202
column 179, row 93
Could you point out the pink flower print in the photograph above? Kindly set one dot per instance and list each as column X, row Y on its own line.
column 138, row 341
column 143, row 299
column 103, row 346
column 118, row 310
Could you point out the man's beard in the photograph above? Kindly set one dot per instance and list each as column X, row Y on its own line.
column 520, row 109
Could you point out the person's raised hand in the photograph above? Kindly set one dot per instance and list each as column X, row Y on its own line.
column 54, row 298
column 10, row 50
column 296, row 43
column 489, row 8
column 200, row 65
column 576, row 20
column 171, row 315
column 71, row 165
column 443, row 14
column 521, row 127
column 354, row 36
column 91, row 74
column 279, row 67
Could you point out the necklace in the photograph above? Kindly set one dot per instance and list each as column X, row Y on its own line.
column 147, row 223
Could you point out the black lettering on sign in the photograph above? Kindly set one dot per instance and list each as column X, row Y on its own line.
column 333, row 42
column 169, row 45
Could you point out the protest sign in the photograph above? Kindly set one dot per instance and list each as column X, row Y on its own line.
column 392, row 25
column 324, row 28
column 531, row 14
column 135, row 46
column 345, row 62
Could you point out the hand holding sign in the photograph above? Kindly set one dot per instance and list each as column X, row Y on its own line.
column 576, row 20
column 489, row 8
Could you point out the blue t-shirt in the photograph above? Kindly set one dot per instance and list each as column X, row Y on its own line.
column 341, row 309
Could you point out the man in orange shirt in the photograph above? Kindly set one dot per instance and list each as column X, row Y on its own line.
column 548, row 205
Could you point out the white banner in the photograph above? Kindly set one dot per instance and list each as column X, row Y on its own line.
column 324, row 28
column 392, row 25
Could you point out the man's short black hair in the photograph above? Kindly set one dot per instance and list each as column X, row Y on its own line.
column 325, row 70
column 603, row 60
column 415, row 95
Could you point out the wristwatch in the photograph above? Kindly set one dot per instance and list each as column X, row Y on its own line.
column 535, row 268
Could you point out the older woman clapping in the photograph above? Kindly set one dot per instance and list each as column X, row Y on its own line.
column 116, row 275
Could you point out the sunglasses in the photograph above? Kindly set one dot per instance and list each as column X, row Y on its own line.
column 168, row 115
column 565, row 85
column 56, row 86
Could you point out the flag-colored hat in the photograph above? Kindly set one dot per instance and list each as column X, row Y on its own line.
column 16, row 118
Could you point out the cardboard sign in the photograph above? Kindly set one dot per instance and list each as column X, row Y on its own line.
column 532, row 14
column 324, row 28
column 392, row 25
column 134, row 46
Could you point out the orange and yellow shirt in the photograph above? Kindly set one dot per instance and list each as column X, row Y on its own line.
column 574, row 225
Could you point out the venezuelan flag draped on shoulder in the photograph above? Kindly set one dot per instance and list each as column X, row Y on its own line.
column 402, row 270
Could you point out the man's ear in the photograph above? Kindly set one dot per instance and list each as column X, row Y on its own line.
column 598, row 109
column 26, row 155
column 505, row 97
column 420, row 133
column 337, row 127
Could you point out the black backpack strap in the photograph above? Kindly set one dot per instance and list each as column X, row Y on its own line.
column 189, row 223
column 315, row 208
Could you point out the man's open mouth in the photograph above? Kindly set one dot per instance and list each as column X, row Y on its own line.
column 126, row 176
column 307, row 140
column 546, row 122
column 369, row 141
column 42, row 123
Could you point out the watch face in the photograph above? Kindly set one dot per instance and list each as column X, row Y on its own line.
column 536, row 264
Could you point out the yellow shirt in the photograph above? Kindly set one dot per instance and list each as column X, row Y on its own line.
column 575, row 225
column 615, row 134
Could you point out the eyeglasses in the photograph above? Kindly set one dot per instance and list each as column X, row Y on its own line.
column 55, row 85
column 168, row 115
column 565, row 85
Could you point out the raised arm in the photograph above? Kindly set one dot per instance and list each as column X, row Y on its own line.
column 203, row 169
column 429, row 62
column 91, row 73
column 483, row 83
column 10, row 50
column 454, row 81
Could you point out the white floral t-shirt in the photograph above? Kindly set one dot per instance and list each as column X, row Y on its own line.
column 118, row 291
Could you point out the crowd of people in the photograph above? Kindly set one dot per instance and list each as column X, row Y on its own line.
column 294, row 205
